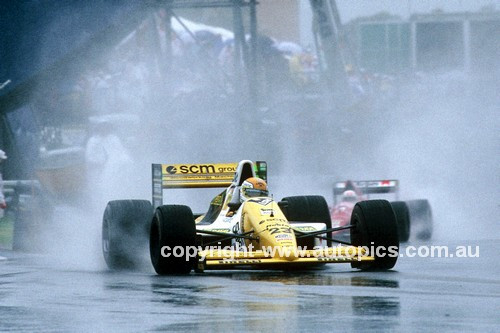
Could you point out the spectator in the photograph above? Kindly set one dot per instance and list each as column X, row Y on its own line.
column 273, row 65
column 108, row 164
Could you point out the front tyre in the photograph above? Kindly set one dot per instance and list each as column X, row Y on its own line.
column 307, row 208
column 375, row 227
column 173, row 229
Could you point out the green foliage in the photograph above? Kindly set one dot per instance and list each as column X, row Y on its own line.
column 6, row 232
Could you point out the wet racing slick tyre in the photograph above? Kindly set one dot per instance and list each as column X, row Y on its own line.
column 421, row 218
column 307, row 208
column 374, row 225
column 125, row 229
column 173, row 226
column 403, row 220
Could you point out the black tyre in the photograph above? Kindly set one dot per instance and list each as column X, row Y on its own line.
column 172, row 226
column 307, row 208
column 125, row 229
column 421, row 218
column 403, row 219
column 375, row 227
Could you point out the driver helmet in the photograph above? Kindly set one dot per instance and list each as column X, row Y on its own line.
column 349, row 196
column 253, row 187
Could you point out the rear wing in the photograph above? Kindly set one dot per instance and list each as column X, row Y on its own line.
column 366, row 187
column 210, row 175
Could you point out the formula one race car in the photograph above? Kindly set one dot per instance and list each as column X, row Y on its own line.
column 410, row 214
column 243, row 228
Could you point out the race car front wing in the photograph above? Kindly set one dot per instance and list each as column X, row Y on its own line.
column 224, row 259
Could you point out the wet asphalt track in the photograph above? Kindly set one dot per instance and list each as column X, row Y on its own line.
column 421, row 294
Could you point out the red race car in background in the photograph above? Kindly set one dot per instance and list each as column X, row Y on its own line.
column 415, row 214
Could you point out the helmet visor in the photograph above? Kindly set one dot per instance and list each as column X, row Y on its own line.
column 253, row 192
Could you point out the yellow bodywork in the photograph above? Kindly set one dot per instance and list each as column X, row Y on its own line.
column 274, row 243
column 269, row 225
column 267, row 239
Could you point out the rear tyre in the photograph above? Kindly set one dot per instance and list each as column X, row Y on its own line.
column 375, row 226
column 403, row 220
column 172, row 226
column 307, row 208
column 125, row 233
column 421, row 218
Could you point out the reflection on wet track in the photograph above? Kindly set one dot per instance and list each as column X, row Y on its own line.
column 426, row 294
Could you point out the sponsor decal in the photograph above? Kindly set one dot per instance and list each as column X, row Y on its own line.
column 199, row 168
column 305, row 228
column 284, row 229
column 277, row 224
column 266, row 211
column 336, row 259
column 283, row 237
column 238, row 242
column 226, row 169
column 283, row 221
column 194, row 168
column 237, row 229
column 224, row 230
column 240, row 261
column 171, row 169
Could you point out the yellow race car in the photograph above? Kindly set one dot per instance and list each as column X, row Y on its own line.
column 244, row 226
